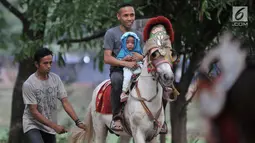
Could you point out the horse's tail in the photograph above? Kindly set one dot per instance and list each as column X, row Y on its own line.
column 79, row 135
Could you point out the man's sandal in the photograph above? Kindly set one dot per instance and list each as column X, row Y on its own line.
column 116, row 125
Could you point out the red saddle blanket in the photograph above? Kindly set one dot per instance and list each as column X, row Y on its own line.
column 103, row 100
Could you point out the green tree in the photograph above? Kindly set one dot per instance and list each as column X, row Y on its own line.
column 3, row 32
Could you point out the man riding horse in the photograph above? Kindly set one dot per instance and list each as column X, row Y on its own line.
column 160, row 29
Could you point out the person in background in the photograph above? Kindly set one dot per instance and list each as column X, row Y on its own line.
column 40, row 93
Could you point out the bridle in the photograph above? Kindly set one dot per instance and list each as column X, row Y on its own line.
column 156, row 57
column 153, row 59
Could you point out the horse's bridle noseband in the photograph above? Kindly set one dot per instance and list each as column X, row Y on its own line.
column 156, row 54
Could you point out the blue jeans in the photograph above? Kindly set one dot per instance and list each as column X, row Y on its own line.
column 37, row 136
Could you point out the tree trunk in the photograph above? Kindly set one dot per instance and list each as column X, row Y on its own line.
column 178, row 108
column 162, row 138
column 178, row 115
column 26, row 68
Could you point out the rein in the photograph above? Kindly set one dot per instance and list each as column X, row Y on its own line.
column 142, row 100
column 154, row 119
column 146, row 107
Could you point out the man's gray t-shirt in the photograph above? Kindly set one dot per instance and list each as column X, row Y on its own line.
column 44, row 93
column 112, row 39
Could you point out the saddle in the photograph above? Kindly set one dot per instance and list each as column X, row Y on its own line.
column 103, row 100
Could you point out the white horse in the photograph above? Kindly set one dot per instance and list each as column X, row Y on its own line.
column 143, row 112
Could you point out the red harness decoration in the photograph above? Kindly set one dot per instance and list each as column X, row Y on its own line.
column 208, row 83
column 103, row 99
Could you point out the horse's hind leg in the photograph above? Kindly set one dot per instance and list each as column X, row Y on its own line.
column 100, row 129
column 125, row 139
column 100, row 134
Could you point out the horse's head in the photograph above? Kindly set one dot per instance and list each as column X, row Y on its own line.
column 158, row 36
column 158, row 60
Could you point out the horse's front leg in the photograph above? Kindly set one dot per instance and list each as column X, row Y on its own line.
column 139, row 136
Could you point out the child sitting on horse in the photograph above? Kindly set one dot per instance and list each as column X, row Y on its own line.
column 130, row 51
